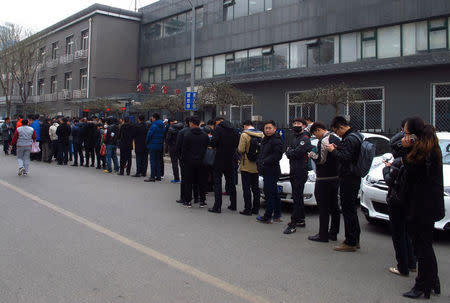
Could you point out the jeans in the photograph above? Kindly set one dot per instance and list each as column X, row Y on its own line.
column 298, row 186
column 229, row 179
column 155, row 164
column 404, row 253
column 349, row 186
column 250, row 185
column 141, row 163
column 23, row 157
column 174, row 159
column 326, row 193
column 111, row 153
column 273, row 202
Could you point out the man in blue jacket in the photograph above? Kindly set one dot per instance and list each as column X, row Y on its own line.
column 154, row 141
column 36, row 125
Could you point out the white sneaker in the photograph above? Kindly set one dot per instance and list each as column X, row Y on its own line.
column 21, row 171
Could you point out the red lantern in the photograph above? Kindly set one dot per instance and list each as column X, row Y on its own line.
column 108, row 109
column 153, row 88
column 165, row 88
column 178, row 91
column 86, row 110
column 139, row 87
column 124, row 108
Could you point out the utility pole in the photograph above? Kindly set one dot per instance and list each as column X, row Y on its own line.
column 193, row 25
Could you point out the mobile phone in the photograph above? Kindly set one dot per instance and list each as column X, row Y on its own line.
column 413, row 138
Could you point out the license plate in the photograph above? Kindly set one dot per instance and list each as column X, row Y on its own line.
column 280, row 189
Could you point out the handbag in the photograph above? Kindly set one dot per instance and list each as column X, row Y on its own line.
column 35, row 147
column 103, row 150
column 210, row 157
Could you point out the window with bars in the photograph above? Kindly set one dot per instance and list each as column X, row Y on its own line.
column 300, row 109
column 53, row 84
column 69, row 45
column 441, row 106
column 83, row 78
column 68, row 81
column 238, row 114
column 85, row 40
column 55, row 47
column 367, row 113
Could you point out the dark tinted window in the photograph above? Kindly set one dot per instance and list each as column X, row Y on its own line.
column 382, row 146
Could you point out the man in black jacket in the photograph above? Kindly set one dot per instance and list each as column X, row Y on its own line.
column 178, row 151
column 297, row 154
column 268, row 164
column 171, row 142
column 63, row 132
column 45, row 140
column 347, row 154
column 195, row 143
column 225, row 140
column 126, row 145
column 140, row 148
column 327, row 184
column 77, row 143
column 89, row 138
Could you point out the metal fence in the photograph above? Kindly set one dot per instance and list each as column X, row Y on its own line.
column 441, row 106
column 367, row 113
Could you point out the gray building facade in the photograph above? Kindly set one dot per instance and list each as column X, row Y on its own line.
column 395, row 52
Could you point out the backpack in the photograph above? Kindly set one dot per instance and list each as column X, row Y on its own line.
column 365, row 158
column 253, row 150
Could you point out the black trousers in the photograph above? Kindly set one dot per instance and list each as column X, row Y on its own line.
column 174, row 160
column 63, row 152
column 298, row 186
column 90, row 154
column 326, row 193
column 54, row 150
column 141, row 163
column 404, row 252
column 78, row 151
column 349, row 188
column 422, row 240
column 195, row 177
column 250, row 184
column 229, row 179
column 125, row 159
column 6, row 146
column 101, row 160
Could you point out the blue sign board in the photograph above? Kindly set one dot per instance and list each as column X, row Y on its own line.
column 189, row 101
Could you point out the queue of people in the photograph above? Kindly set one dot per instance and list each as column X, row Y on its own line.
column 202, row 154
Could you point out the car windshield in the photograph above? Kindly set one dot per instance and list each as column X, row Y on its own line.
column 382, row 145
column 445, row 147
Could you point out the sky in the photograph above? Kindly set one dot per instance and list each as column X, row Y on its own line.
column 36, row 15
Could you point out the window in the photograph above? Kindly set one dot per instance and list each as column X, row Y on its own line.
column 69, row 45
column 441, row 106
column 240, row 8
column 313, row 52
column 329, row 50
column 85, row 40
column 144, row 75
column 68, row 81
column 55, row 47
column 349, row 47
column 158, row 74
column 240, row 113
column 207, row 67
column 281, row 56
column 153, row 31
column 219, row 65
column 369, row 44
column 199, row 17
column 422, row 36
column 255, row 60
column 166, row 72
column 229, row 63
column 437, row 33
column 255, row 6
column 228, row 8
column 41, row 85
column 181, row 70
column 240, row 62
column 173, row 71
column 388, row 42
column 298, row 54
column 299, row 109
column 84, row 79
column 415, row 38
column 268, row 5
column 233, row 9
column 198, row 68
column 173, row 25
column 188, row 69
column 30, row 88
column 42, row 55
column 53, row 84
column 367, row 113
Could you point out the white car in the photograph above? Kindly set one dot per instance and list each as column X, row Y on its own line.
column 284, row 185
column 374, row 189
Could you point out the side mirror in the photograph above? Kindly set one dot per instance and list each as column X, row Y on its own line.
column 387, row 157
column 448, row 148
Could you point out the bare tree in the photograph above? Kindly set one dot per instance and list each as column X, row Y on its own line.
column 9, row 35
column 222, row 94
column 335, row 95
column 171, row 103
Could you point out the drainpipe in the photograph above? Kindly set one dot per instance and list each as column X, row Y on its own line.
column 88, row 94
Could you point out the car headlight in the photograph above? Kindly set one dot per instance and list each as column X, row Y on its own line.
column 447, row 191
column 370, row 180
column 311, row 176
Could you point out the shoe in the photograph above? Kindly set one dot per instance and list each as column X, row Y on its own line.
column 98, row 167
column 158, row 179
column 437, row 287
column 202, row 204
column 332, row 237
column 92, row 165
column 290, row 229
column 255, row 212
column 231, row 208
column 87, row 165
column 150, row 180
column 397, row 272
column 21, row 171
column 263, row 219
column 74, row 164
column 25, row 173
column 415, row 294
column 300, row 223
column 277, row 220
column 345, row 248
column 174, row 181
column 120, row 173
column 224, row 193
column 187, row 204
column 107, row 171
column 136, row 175
column 128, row 173
column 317, row 238
column 358, row 246
column 246, row 212
column 59, row 164
column 180, row 201
column 213, row 210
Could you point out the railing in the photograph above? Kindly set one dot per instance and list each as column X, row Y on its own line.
column 66, row 59
column 81, row 54
column 79, row 93
column 67, row 94
column 52, row 63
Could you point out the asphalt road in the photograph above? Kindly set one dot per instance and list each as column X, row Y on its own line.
column 75, row 234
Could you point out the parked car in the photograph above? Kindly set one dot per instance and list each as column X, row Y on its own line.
column 382, row 151
column 374, row 190
column 1, row 133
